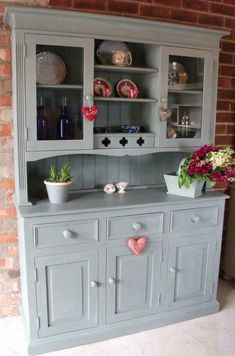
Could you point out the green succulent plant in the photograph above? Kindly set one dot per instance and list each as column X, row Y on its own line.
column 61, row 175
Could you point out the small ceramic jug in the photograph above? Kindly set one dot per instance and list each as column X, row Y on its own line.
column 121, row 186
column 109, row 188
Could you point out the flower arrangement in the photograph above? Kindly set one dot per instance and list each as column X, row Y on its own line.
column 209, row 164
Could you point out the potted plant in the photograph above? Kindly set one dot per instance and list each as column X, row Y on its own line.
column 209, row 164
column 58, row 183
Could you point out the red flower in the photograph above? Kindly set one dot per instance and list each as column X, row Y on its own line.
column 197, row 167
column 202, row 152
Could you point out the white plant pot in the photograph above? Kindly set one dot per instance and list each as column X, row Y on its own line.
column 57, row 192
column 194, row 190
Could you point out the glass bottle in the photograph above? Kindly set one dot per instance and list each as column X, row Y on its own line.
column 42, row 123
column 64, row 122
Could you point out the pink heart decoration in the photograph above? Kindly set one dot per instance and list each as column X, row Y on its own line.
column 137, row 245
column 90, row 112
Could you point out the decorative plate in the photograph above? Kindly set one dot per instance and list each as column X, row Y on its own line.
column 102, row 87
column 50, row 68
column 126, row 88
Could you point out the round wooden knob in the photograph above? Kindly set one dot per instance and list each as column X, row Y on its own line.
column 136, row 226
column 94, row 284
column 111, row 281
column 67, row 234
column 196, row 219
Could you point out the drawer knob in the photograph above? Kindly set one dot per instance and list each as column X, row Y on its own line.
column 67, row 234
column 195, row 219
column 94, row 284
column 136, row 226
column 111, row 281
column 172, row 270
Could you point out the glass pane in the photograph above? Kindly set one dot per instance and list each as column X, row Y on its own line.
column 59, row 73
column 185, row 97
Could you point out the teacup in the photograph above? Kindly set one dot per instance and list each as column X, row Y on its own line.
column 121, row 186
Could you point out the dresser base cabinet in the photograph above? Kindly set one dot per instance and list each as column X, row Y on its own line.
column 83, row 283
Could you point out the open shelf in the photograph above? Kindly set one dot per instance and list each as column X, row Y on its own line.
column 126, row 69
column 60, row 86
column 130, row 100
column 185, row 91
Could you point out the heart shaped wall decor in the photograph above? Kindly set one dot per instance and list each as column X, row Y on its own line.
column 90, row 112
column 137, row 245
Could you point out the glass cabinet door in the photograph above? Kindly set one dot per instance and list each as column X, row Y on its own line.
column 59, row 76
column 185, row 99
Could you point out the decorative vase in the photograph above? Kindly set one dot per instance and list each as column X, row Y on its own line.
column 57, row 192
column 194, row 190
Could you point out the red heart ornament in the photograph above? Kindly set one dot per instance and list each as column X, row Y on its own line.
column 90, row 112
column 137, row 245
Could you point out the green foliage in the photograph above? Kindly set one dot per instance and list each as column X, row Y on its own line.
column 62, row 175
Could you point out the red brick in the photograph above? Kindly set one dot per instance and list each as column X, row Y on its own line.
column 5, row 115
column 225, row 117
column 8, row 238
column 197, row 5
column 227, row 70
column 226, row 94
column 211, row 20
column 7, row 184
column 5, row 101
column 230, row 129
column 226, row 58
column 154, row 12
column 233, row 83
column 60, row 3
column 5, row 130
column 5, row 70
column 9, row 197
column 225, row 140
column 170, row 3
column 7, row 212
column 94, row 5
column 222, row 9
column 228, row 46
column 223, row 105
column 12, row 250
column 123, row 7
column 7, row 86
column 224, row 82
column 13, row 273
column 220, row 129
column 5, row 40
column 227, row 1
column 5, row 54
column 230, row 22
column 184, row 15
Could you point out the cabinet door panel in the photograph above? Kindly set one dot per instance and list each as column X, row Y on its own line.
column 66, row 300
column 190, row 270
column 134, row 290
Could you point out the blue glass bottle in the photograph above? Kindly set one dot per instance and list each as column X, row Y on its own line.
column 64, row 122
column 42, row 123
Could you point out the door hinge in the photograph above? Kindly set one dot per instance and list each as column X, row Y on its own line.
column 159, row 299
column 25, row 50
column 38, row 322
column 26, row 133
column 212, row 288
column 36, row 275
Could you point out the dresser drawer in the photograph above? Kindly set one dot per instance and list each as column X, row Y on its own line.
column 65, row 233
column 191, row 219
column 134, row 225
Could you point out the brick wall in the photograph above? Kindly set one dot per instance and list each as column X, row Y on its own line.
column 214, row 14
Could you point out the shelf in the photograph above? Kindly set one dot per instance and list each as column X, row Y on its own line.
column 186, row 105
column 126, row 69
column 60, row 86
column 128, row 100
column 185, row 91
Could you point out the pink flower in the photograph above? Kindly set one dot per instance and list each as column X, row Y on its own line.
column 202, row 152
column 197, row 167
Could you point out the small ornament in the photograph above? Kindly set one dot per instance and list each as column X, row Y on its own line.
column 121, row 186
column 109, row 188
column 165, row 112
column 137, row 245
column 91, row 110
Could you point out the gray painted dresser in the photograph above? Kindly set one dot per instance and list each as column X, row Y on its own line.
column 80, row 281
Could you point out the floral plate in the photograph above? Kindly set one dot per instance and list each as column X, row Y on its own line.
column 102, row 87
column 126, row 88
column 50, row 68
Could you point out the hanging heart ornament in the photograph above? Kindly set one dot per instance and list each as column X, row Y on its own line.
column 90, row 112
column 137, row 244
